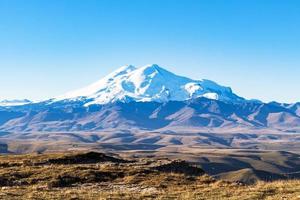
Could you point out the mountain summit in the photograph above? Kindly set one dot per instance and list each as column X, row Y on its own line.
column 150, row 83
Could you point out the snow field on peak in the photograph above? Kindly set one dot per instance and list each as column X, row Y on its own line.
column 148, row 83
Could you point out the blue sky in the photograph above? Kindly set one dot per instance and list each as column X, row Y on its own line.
column 50, row 47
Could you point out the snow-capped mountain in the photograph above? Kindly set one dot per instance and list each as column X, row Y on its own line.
column 149, row 83
column 148, row 98
column 14, row 102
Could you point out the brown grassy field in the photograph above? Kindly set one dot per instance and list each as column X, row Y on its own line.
column 99, row 176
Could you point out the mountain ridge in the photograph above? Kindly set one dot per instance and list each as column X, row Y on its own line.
column 146, row 84
column 150, row 98
column 198, row 114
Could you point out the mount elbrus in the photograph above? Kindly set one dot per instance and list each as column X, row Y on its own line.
column 148, row 98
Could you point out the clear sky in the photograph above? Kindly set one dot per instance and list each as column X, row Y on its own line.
column 48, row 47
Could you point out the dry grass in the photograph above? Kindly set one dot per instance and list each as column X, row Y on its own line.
column 35, row 177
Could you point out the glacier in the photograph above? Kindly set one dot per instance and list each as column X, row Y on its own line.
column 150, row 83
